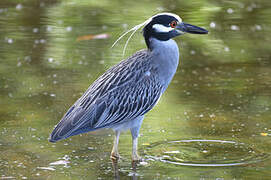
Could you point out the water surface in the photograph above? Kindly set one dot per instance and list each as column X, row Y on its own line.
column 221, row 91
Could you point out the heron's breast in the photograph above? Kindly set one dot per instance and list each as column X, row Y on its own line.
column 166, row 60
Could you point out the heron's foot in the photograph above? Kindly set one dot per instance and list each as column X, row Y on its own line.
column 136, row 158
column 115, row 156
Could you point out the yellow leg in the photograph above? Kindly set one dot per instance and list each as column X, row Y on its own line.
column 135, row 156
column 135, row 132
column 115, row 153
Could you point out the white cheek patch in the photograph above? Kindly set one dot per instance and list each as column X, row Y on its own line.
column 161, row 28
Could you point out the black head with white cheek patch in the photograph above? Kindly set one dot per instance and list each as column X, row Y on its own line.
column 162, row 27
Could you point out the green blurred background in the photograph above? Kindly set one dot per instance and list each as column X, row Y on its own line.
column 221, row 91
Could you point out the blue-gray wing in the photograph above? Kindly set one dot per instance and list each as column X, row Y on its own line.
column 124, row 92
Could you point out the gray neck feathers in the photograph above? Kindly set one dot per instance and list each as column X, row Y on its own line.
column 165, row 55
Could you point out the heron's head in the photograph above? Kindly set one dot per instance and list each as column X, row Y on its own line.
column 165, row 26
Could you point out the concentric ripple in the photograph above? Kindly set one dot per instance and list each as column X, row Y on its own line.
column 206, row 153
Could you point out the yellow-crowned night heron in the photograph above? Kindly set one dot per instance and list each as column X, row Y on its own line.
column 123, row 94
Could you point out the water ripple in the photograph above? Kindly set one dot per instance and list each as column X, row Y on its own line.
column 205, row 153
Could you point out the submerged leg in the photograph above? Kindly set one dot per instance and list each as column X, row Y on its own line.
column 115, row 153
column 135, row 133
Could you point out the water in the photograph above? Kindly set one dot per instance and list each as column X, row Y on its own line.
column 205, row 153
column 216, row 112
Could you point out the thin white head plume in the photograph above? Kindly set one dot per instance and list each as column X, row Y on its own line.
column 134, row 29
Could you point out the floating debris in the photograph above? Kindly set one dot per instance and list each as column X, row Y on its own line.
column 49, row 28
column 143, row 163
column 50, row 60
column 60, row 162
column 10, row 41
column 212, row 25
column 235, row 28
column 69, row 28
column 227, row 49
column 19, row 7
column 35, row 30
column 91, row 37
column 230, row 11
column 42, row 41
column 212, row 115
column 172, row 152
column 7, row 177
column 264, row 134
column 146, row 144
column 53, row 95
column 46, row 168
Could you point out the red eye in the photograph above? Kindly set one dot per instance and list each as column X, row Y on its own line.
column 173, row 24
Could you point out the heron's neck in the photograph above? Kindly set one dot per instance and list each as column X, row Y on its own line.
column 166, row 57
column 168, row 47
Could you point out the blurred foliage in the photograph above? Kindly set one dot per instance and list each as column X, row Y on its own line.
column 221, row 89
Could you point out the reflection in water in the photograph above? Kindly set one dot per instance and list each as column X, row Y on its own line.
column 116, row 170
column 133, row 174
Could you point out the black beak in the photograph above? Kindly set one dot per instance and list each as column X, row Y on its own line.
column 188, row 28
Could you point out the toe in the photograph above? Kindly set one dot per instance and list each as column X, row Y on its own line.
column 115, row 156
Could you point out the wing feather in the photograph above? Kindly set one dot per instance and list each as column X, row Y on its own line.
column 123, row 93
